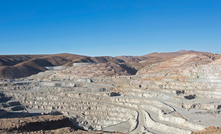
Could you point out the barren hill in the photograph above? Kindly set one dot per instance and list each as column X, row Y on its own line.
column 177, row 63
column 140, row 61
column 16, row 66
column 10, row 60
column 155, row 54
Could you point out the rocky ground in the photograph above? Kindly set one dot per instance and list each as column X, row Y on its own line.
column 209, row 130
column 179, row 95
column 49, row 124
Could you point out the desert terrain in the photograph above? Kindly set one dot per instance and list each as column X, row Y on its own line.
column 160, row 93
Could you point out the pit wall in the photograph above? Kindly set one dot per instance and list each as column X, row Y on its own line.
column 86, row 114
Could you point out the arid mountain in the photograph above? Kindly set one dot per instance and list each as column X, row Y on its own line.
column 182, row 61
column 170, row 54
column 16, row 66
column 10, row 60
column 22, row 69
column 200, row 67
column 130, row 59
column 105, row 59
column 139, row 62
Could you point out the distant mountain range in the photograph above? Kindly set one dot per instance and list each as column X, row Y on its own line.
column 17, row 66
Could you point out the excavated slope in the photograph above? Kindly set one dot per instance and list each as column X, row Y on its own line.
column 177, row 63
column 87, row 70
column 47, row 124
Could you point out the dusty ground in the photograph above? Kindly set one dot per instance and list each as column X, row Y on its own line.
column 209, row 130
column 53, row 124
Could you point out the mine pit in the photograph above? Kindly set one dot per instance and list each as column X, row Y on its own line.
column 160, row 98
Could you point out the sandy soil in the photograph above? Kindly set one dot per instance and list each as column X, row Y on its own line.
column 209, row 130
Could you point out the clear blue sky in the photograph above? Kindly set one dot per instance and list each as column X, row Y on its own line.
column 109, row 27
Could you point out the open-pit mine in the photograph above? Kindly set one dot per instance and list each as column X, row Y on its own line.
column 177, row 95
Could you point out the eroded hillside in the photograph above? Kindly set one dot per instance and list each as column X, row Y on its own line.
column 17, row 66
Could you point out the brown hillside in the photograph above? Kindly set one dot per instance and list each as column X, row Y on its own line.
column 105, row 59
column 10, row 60
column 179, row 65
column 139, row 62
column 17, row 66
column 23, row 69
